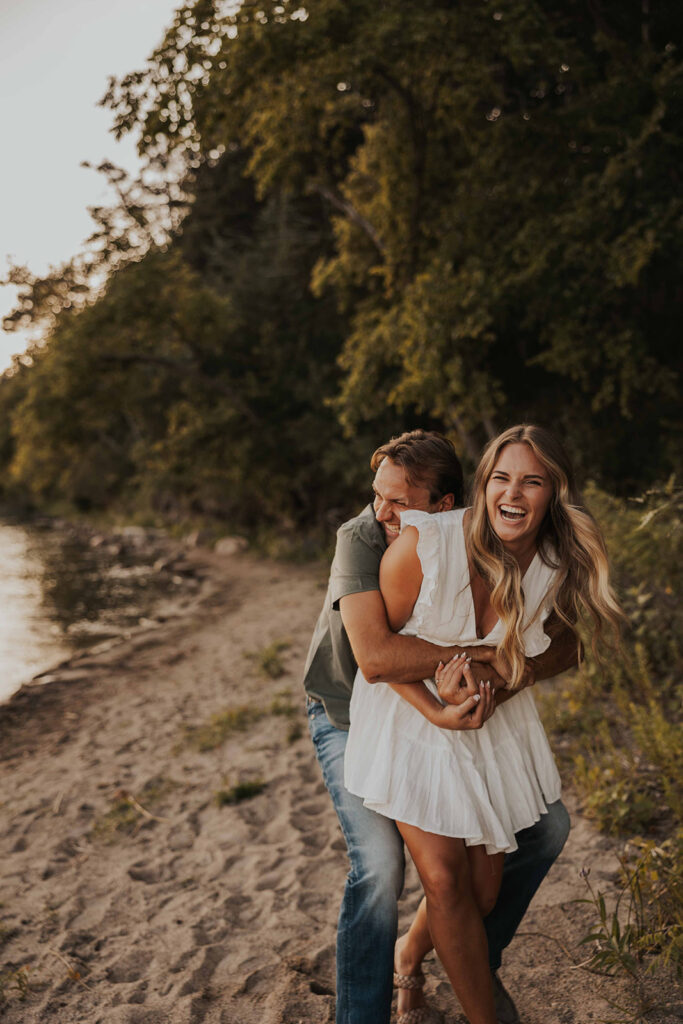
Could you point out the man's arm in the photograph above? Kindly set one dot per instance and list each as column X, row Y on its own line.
column 384, row 656
column 563, row 654
column 564, row 651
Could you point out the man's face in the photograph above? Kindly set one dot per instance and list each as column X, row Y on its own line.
column 393, row 495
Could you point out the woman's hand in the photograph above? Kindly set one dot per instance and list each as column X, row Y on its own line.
column 470, row 714
column 454, row 681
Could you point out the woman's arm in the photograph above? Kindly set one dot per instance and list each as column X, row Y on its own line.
column 400, row 580
column 470, row 713
column 400, row 577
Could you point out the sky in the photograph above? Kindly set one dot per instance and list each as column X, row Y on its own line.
column 55, row 60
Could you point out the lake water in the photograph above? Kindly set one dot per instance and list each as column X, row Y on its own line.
column 30, row 639
column 62, row 590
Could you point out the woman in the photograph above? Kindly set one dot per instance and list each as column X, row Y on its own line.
column 486, row 575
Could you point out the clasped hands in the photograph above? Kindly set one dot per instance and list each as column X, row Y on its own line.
column 469, row 687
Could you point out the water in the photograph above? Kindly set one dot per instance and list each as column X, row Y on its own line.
column 30, row 640
column 62, row 590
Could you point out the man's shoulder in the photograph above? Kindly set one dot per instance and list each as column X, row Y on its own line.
column 360, row 546
column 363, row 526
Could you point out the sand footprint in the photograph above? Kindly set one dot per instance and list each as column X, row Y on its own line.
column 201, row 976
column 127, row 969
column 143, row 872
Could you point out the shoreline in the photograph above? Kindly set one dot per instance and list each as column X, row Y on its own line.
column 142, row 578
column 134, row 892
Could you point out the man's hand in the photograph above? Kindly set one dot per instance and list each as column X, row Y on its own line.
column 461, row 676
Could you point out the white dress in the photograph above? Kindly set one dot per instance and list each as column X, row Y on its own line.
column 482, row 785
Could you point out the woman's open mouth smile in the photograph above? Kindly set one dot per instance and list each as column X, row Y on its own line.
column 512, row 513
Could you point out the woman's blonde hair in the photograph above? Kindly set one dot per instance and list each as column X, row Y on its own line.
column 569, row 539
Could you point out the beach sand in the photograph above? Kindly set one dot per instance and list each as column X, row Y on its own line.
column 129, row 896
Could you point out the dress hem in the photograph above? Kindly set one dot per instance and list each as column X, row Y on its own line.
column 470, row 840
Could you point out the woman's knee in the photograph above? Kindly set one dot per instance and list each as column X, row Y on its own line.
column 445, row 887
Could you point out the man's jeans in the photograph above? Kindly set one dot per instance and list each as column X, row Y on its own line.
column 368, row 918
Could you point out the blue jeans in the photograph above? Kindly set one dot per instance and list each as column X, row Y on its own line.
column 368, row 917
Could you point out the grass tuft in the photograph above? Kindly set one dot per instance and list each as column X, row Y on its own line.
column 282, row 705
column 295, row 732
column 268, row 660
column 14, row 981
column 239, row 792
column 128, row 813
column 221, row 725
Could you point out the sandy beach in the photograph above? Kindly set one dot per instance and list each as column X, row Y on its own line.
column 131, row 894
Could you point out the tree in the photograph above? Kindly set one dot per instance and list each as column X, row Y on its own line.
column 502, row 185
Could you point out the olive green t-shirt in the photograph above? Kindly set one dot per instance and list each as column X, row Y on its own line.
column 330, row 664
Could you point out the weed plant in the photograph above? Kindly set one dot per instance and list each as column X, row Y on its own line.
column 128, row 813
column 617, row 732
column 239, row 792
column 220, row 726
column 295, row 732
column 281, row 704
column 268, row 660
column 14, row 982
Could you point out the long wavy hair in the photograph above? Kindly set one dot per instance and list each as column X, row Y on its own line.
column 569, row 539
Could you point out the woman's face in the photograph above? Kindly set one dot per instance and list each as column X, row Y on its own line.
column 518, row 495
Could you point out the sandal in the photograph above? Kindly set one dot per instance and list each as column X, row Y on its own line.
column 421, row 1014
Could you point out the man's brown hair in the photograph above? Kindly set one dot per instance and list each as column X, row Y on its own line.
column 428, row 459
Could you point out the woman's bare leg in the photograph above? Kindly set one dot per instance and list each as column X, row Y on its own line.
column 486, row 872
column 453, row 919
column 410, row 951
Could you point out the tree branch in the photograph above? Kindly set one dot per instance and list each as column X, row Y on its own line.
column 345, row 207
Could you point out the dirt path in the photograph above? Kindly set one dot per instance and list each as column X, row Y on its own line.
column 133, row 898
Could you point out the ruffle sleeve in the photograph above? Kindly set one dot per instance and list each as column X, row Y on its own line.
column 431, row 552
column 538, row 594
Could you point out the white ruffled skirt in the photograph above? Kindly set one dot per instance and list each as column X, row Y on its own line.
column 482, row 786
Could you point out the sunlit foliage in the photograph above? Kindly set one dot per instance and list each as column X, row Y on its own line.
column 356, row 216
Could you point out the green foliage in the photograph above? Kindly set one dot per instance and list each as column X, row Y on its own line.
column 374, row 215
column 239, row 792
column 615, row 793
column 619, row 727
column 618, row 734
column 654, row 870
column 503, row 220
column 642, row 931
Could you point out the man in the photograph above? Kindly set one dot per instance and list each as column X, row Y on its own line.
column 418, row 470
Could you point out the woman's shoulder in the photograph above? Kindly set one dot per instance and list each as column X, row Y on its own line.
column 441, row 522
